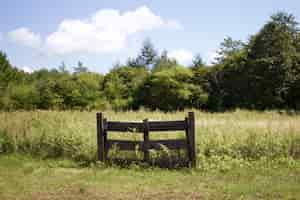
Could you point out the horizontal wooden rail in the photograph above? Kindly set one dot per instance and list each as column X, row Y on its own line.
column 125, row 126
column 127, row 145
column 167, row 125
column 138, row 127
column 187, row 125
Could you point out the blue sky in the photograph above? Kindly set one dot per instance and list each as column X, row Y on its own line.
column 41, row 34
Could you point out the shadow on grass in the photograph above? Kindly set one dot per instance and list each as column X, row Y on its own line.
column 171, row 162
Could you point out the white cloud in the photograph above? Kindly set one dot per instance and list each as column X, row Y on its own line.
column 1, row 36
column 25, row 37
column 183, row 56
column 105, row 31
column 27, row 69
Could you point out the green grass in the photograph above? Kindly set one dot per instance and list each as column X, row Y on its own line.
column 240, row 154
column 240, row 134
column 22, row 177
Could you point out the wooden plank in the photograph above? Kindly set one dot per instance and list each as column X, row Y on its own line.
column 100, row 139
column 146, row 140
column 167, row 125
column 139, row 127
column 125, row 126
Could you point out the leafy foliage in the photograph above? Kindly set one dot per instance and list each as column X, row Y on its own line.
column 263, row 73
column 171, row 89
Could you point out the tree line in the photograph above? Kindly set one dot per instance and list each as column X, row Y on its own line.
column 262, row 73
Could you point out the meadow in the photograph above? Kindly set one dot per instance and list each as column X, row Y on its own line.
column 240, row 155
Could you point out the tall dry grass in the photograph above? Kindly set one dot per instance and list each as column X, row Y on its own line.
column 241, row 134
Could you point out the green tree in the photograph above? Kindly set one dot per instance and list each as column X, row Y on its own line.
column 8, row 73
column 9, row 77
column 120, row 86
column 171, row 89
column 228, row 48
column 22, row 97
column 90, row 87
column 49, row 97
column 146, row 58
column 273, row 61
column 80, row 68
column 163, row 62
column 197, row 62
column 63, row 68
column 228, row 83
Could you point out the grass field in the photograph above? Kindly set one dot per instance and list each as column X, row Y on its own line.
column 241, row 155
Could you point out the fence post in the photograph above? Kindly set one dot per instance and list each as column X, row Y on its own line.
column 100, row 138
column 187, row 136
column 146, row 140
column 191, row 138
column 105, row 145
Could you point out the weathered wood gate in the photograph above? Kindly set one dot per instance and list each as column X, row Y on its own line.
column 187, row 125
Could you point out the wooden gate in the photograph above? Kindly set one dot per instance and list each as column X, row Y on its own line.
column 187, row 125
